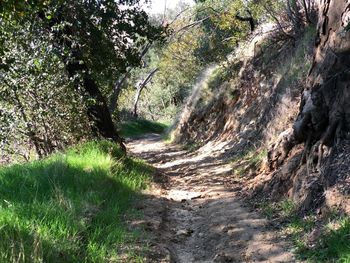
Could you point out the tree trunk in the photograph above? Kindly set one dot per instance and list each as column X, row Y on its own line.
column 325, row 112
column 97, row 108
column 113, row 102
column 324, row 115
column 139, row 90
column 136, row 101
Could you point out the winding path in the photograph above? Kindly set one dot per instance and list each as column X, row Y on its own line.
column 202, row 219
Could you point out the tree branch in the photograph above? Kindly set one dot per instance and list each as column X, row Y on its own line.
column 140, row 88
column 249, row 19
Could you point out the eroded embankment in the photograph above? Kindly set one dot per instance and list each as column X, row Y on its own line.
column 250, row 105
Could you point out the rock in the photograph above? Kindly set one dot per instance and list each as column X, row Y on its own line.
column 184, row 232
column 223, row 258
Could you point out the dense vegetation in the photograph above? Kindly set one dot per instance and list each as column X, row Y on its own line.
column 71, row 70
column 59, row 63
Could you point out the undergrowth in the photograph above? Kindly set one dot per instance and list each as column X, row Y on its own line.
column 191, row 146
column 313, row 238
column 332, row 246
column 249, row 160
column 139, row 127
column 70, row 206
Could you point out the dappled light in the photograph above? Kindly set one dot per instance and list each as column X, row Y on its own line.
column 183, row 131
column 206, row 219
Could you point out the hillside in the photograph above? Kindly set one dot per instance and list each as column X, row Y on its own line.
column 252, row 104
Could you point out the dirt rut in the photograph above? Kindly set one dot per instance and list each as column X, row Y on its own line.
column 199, row 217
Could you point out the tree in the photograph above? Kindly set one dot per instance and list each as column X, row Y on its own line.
column 95, row 40
column 225, row 24
column 324, row 112
column 37, row 105
column 324, row 116
column 140, row 87
column 199, row 36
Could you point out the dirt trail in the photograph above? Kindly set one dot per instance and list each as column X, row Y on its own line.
column 199, row 216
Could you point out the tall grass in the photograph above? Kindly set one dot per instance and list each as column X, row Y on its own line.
column 69, row 207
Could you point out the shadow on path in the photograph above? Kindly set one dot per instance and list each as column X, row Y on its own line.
column 205, row 220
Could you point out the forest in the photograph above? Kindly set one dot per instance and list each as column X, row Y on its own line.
column 208, row 131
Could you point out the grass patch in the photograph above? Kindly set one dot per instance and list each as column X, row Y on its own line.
column 332, row 246
column 284, row 209
column 191, row 147
column 245, row 162
column 138, row 127
column 70, row 206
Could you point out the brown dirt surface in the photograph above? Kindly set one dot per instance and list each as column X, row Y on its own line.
column 197, row 214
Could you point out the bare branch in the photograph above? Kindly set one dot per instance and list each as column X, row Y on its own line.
column 140, row 88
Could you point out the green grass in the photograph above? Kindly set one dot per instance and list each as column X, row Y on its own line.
column 191, row 147
column 70, row 206
column 248, row 160
column 333, row 245
column 225, row 72
column 138, row 127
column 285, row 208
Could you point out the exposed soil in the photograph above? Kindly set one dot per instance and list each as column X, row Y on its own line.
column 198, row 216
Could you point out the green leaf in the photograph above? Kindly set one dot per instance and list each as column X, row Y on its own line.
column 36, row 63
